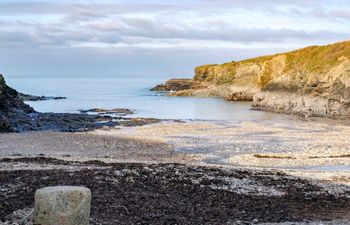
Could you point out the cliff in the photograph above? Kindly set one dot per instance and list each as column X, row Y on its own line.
column 314, row 81
column 11, row 106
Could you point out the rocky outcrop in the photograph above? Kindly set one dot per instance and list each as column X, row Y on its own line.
column 16, row 116
column 314, row 81
column 34, row 98
column 101, row 112
column 11, row 106
column 301, row 104
column 175, row 85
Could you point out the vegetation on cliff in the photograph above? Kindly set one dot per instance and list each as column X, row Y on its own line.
column 313, row 81
column 304, row 66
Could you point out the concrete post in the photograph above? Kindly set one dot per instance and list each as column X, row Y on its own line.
column 62, row 205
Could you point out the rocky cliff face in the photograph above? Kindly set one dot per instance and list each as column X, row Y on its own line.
column 11, row 106
column 314, row 81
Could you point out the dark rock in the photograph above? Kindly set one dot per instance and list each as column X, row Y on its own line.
column 16, row 116
column 174, row 85
column 133, row 122
column 26, row 97
column 11, row 106
column 99, row 111
column 105, row 118
column 67, row 122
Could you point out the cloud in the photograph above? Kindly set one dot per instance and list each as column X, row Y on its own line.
column 138, row 30
column 157, row 27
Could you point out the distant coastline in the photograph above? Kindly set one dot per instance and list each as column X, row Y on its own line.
column 310, row 82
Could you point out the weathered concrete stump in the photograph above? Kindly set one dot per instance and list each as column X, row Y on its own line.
column 62, row 205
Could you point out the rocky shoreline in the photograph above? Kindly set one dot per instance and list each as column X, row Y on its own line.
column 178, row 194
column 16, row 116
column 174, row 85
column 314, row 81
column 33, row 98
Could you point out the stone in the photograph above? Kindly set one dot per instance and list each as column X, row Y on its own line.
column 62, row 205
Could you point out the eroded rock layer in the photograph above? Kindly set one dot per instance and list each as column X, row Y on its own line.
column 314, row 81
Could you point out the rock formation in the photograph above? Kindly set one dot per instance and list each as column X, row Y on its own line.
column 11, row 107
column 16, row 116
column 34, row 98
column 314, row 81
column 174, row 85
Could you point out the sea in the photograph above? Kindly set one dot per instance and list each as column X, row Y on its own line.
column 130, row 92
column 133, row 93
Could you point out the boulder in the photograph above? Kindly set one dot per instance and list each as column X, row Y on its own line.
column 62, row 205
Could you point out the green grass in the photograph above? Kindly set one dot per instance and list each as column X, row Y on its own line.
column 311, row 60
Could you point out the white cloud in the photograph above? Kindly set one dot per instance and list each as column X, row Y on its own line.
column 142, row 27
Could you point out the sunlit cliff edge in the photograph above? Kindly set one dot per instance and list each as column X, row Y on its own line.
column 313, row 81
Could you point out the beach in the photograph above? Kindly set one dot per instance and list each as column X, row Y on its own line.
column 294, row 145
column 168, row 164
column 174, row 112
column 215, row 162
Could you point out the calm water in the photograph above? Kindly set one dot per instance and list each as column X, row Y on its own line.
column 129, row 93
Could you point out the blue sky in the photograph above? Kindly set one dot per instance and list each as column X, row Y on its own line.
column 155, row 37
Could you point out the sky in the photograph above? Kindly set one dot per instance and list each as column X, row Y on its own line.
column 157, row 37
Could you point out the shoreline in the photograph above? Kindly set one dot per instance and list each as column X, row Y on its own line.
column 287, row 145
column 140, row 161
column 168, row 162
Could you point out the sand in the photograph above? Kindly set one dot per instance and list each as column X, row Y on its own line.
column 315, row 149
column 85, row 146
column 302, row 148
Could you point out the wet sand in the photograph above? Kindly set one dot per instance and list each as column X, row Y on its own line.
column 85, row 146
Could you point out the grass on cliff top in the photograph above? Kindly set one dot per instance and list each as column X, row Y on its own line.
column 313, row 59
column 317, row 59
